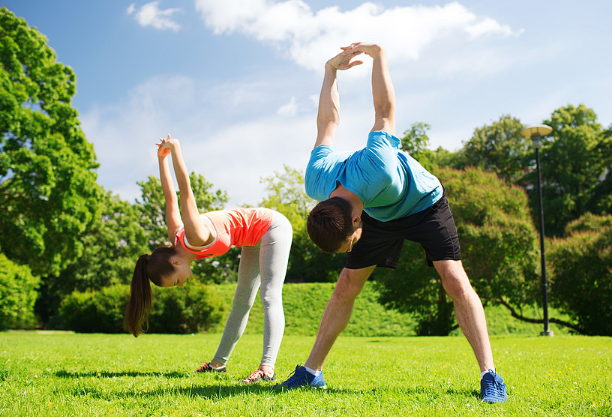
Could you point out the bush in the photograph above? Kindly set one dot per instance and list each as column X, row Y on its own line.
column 17, row 295
column 581, row 279
column 193, row 308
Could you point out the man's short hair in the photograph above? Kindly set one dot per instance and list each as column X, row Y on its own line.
column 330, row 224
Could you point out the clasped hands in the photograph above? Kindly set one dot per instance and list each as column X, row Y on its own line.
column 342, row 61
column 165, row 146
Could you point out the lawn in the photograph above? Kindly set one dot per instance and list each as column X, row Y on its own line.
column 65, row 374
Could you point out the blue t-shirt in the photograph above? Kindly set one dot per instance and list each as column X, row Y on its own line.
column 390, row 183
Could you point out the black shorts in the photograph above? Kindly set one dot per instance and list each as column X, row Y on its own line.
column 381, row 242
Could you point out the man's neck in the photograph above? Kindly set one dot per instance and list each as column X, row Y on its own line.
column 354, row 201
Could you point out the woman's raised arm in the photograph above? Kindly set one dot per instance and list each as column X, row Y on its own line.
column 173, row 215
column 197, row 232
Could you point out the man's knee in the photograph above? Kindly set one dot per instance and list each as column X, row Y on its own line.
column 350, row 283
column 454, row 278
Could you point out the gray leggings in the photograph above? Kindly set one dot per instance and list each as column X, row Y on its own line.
column 265, row 264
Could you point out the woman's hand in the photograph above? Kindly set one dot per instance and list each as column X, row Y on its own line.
column 165, row 146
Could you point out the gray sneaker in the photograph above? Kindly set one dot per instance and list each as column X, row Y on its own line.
column 257, row 376
column 207, row 367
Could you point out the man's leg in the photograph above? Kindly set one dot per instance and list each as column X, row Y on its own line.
column 468, row 310
column 337, row 313
column 335, row 318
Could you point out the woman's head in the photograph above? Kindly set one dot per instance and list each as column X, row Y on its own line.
column 165, row 268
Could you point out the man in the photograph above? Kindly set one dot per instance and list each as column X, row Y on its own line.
column 371, row 201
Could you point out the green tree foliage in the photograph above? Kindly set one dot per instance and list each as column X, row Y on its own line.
column 113, row 243
column 415, row 143
column 415, row 140
column 581, row 279
column 500, row 148
column 48, row 190
column 601, row 202
column 498, row 248
column 17, row 295
column 307, row 263
column 112, row 246
column 152, row 219
column 574, row 163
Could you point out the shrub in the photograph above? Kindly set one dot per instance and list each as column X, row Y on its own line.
column 193, row 308
column 581, row 279
column 17, row 295
column 190, row 309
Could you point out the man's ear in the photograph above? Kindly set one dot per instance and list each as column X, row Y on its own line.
column 356, row 220
column 175, row 262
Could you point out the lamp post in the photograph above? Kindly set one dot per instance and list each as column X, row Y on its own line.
column 535, row 133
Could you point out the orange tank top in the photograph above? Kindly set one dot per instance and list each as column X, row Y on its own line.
column 237, row 227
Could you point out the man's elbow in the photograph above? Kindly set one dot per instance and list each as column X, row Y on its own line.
column 385, row 110
column 327, row 123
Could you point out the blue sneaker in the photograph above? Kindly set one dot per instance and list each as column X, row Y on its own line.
column 302, row 378
column 492, row 388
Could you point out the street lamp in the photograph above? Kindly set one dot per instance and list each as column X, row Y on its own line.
column 535, row 133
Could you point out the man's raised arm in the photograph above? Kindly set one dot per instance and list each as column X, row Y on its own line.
column 382, row 88
column 328, row 117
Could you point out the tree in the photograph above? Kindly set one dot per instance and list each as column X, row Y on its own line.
column 415, row 140
column 581, row 278
column 307, row 263
column 112, row 246
column 48, row 190
column 415, row 143
column 500, row 148
column 498, row 249
column 572, row 166
column 152, row 218
column 601, row 200
column 113, row 243
column 575, row 163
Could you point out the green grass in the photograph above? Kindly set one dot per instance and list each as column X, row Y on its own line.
column 63, row 374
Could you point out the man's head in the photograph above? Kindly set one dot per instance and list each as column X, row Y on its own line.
column 333, row 227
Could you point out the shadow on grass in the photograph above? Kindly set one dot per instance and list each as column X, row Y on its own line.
column 104, row 374
column 215, row 390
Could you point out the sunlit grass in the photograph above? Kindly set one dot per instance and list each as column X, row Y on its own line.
column 95, row 375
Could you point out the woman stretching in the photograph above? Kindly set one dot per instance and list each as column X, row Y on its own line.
column 265, row 238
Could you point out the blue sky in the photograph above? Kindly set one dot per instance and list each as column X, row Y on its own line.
column 237, row 81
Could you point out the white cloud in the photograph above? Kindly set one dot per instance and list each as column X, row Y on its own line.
column 124, row 133
column 488, row 25
column 311, row 38
column 289, row 109
column 232, row 153
column 151, row 15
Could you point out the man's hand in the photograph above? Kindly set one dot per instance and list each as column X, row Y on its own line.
column 165, row 146
column 342, row 61
column 370, row 49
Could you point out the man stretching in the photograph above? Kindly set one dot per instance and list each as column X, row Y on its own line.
column 371, row 200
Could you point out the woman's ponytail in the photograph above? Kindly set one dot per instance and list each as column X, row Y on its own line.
column 148, row 267
column 139, row 306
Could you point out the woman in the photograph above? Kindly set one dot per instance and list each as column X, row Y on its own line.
column 265, row 238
